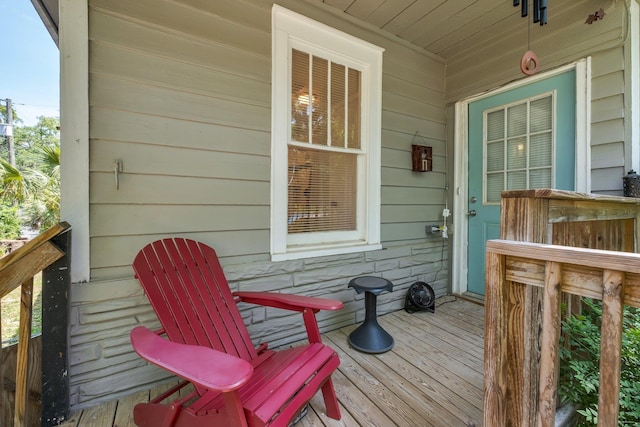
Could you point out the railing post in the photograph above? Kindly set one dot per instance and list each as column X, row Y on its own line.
column 495, row 343
column 550, row 343
column 56, row 280
column 21, row 416
column 610, row 348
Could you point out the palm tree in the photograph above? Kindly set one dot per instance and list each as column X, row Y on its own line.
column 37, row 192
column 14, row 183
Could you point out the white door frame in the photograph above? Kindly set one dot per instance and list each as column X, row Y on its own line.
column 461, row 163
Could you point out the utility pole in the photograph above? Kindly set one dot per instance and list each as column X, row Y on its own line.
column 12, row 150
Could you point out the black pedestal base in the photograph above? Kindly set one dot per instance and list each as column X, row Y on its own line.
column 371, row 338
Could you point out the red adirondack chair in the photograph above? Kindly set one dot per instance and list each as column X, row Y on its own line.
column 209, row 346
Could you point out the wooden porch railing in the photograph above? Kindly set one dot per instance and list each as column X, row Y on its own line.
column 613, row 277
column 43, row 253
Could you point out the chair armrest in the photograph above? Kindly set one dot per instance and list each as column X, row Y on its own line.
column 289, row 301
column 204, row 366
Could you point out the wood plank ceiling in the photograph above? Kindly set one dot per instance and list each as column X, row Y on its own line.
column 449, row 27
column 435, row 25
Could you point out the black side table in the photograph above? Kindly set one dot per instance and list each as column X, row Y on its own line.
column 369, row 337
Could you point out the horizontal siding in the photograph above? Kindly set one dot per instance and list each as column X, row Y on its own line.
column 608, row 180
column 177, row 161
column 139, row 35
column 605, row 155
column 607, row 122
column 176, row 219
column 171, row 190
column 179, row 18
column 127, row 95
column 167, row 103
column 180, row 94
column 120, row 250
column 113, row 60
column 132, row 127
column 608, row 108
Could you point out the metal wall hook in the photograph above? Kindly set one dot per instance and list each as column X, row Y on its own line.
column 117, row 169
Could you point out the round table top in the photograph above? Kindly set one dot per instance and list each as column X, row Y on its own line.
column 373, row 284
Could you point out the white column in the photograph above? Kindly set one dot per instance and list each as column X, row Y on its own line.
column 74, row 130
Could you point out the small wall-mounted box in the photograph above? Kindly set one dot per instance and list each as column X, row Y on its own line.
column 432, row 229
column 421, row 158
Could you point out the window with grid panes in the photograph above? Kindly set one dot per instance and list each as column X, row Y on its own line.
column 326, row 140
column 519, row 147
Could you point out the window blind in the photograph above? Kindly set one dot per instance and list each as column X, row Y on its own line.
column 323, row 151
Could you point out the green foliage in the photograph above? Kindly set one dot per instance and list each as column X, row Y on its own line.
column 580, row 364
column 14, row 115
column 29, row 140
column 34, row 183
column 9, row 222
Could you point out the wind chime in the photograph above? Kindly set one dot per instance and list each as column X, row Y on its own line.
column 529, row 62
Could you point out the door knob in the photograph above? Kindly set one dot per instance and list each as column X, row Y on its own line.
column 472, row 212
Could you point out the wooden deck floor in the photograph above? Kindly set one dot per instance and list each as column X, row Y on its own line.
column 432, row 376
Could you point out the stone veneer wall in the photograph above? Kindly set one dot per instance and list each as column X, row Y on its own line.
column 103, row 365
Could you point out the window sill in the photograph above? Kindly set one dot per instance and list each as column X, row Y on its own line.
column 318, row 251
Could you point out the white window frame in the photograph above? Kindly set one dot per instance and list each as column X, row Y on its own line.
column 292, row 30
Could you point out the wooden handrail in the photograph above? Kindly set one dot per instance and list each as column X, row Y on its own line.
column 613, row 277
column 45, row 236
column 18, row 269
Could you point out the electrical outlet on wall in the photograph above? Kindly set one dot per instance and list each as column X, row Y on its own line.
column 432, row 229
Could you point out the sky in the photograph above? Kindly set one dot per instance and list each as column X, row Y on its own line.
column 29, row 64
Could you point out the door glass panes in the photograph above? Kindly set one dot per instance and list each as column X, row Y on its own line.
column 518, row 147
column 540, row 117
column 495, row 156
column 517, row 120
column 540, row 178
column 495, row 185
column 495, row 125
column 540, row 154
column 516, row 180
column 517, row 153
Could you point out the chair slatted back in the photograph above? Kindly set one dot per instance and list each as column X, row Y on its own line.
column 186, row 286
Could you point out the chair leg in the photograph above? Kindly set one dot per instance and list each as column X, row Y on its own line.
column 330, row 400
column 156, row 414
column 172, row 414
column 234, row 409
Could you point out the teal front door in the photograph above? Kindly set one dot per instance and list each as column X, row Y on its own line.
column 520, row 139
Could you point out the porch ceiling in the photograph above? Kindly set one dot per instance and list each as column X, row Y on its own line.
column 438, row 26
column 451, row 27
